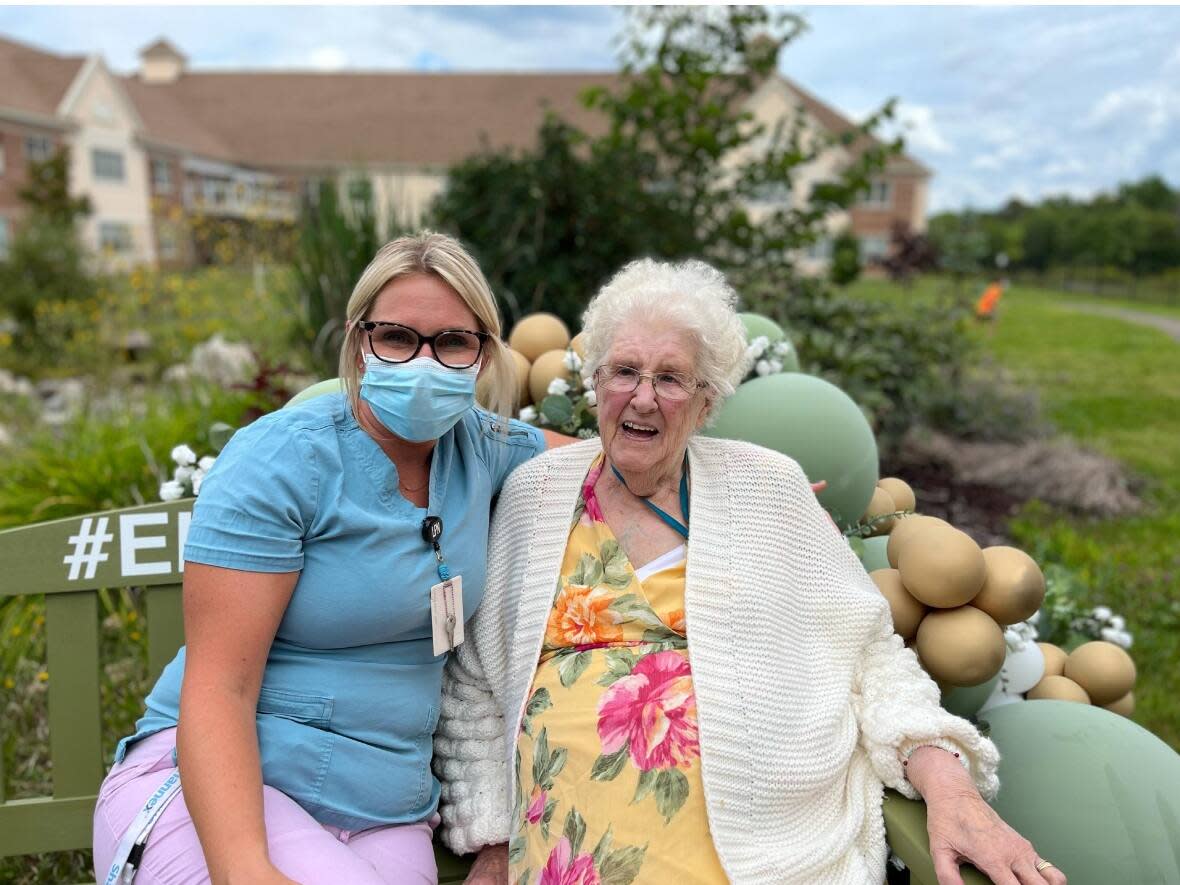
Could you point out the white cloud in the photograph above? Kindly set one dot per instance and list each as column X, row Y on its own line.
column 329, row 58
column 920, row 131
column 1065, row 166
column 1151, row 107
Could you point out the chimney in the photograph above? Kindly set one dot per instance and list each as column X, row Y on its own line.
column 161, row 63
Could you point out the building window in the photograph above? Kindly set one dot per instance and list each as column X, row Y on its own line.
column 162, row 176
column 873, row 248
column 38, row 148
column 108, row 165
column 879, row 194
column 820, row 250
column 360, row 190
column 3, row 237
column 114, row 236
column 168, row 241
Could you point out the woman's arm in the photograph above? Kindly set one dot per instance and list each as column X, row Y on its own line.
column 230, row 619
column 553, row 439
column 962, row 826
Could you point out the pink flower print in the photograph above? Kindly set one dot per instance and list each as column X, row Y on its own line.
column 537, row 807
column 656, row 710
column 560, row 871
column 593, row 511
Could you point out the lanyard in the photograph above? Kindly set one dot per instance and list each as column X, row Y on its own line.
column 679, row 527
column 128, row 855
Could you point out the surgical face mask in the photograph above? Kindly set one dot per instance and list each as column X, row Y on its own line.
column 418, row 400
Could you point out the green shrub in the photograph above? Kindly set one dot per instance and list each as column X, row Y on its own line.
column 845, row 259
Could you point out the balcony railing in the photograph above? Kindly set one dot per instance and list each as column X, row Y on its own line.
column 237, row 200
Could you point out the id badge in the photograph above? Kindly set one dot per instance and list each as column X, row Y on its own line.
column 446, row 614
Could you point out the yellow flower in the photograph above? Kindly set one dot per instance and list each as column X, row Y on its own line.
column 17, row 631
column 8, row 683
column 43, row 676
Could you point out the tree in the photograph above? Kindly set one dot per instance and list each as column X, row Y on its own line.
column 47, row 192
column 910, row 254
column 45, row 260
column 673, row 175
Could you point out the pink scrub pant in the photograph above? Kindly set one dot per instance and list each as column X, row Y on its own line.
column 304, row 850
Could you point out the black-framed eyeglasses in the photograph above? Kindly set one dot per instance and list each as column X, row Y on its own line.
column 395, row 343
column 672, row 386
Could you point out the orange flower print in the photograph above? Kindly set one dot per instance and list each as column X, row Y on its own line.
column 582, row 616
column 675, row 621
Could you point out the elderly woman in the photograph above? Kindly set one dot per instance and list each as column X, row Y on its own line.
column 680, row 672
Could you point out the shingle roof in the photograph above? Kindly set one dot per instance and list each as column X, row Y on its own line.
column 314, row 119
column 34, row 81
column 310, row 120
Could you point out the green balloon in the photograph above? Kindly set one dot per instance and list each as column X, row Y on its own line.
column 1095, row 793
column 966, row 700
column 332, row 385
column 756, row 325
column 818, row 425
column 874, row 556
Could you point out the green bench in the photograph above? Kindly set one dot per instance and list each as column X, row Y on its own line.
column 70, row 560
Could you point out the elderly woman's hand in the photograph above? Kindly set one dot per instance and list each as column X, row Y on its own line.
column 963, row 827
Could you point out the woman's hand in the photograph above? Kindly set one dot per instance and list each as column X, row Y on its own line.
column 963, row 827
column 490, row 867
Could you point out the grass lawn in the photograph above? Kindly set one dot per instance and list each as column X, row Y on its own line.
column 1114, row 387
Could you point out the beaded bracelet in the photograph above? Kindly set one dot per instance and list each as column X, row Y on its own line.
column 911, row 750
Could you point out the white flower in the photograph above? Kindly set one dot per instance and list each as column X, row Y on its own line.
column 783, row 348
column 586, row 433
column 572, row 361
column 206, row 463
column 183, row 474
column 558, row 387
column 1118, row 623
column 762, row 367
column 757, row 347
column 198, row 478
column 1102, row 613
column 528, row 414
column 1120, row 638
column 171, row 491
column 184, row 456
column 591, row 398
column 776, row 366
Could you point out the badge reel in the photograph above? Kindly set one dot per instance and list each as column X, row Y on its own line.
column 446, row 597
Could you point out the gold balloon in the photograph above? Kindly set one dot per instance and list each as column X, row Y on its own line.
column 1014, row 587
column 900, row 491
column 941, row 566
column 538, row 333
column 522, row 376
column 961, row 646
column 880, row 504
column 1103, row 669
column 546, row 367
column 1058, row 688
column 907, row 611
column 1054, row 658
column 577, row 344
column 1124, row 706
column 903, row 529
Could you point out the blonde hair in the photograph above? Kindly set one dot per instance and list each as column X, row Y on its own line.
column 428, row 252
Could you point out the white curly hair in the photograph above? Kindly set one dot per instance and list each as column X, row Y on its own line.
column 689, row 295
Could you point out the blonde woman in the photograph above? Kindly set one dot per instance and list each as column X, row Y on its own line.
column 333, row 554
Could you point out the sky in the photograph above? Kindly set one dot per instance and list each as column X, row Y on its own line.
column 999, row 101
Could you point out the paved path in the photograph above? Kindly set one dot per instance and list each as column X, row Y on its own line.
column 1167, row 324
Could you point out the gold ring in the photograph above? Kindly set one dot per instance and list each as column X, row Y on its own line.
column 1044, row 865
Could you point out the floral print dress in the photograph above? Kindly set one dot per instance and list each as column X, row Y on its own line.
column 608, row 760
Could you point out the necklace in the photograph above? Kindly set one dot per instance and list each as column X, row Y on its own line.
column 401, row 485
column 681, row 528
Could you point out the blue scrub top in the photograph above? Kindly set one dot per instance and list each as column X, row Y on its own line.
column 351, row 689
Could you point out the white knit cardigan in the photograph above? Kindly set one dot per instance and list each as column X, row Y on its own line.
column 806, row 697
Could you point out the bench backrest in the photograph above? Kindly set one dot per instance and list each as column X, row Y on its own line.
column 70, row 560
